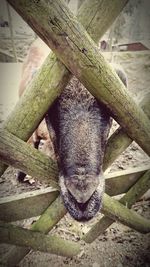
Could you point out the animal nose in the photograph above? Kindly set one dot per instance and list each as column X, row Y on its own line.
column 82, row 206
column 80, row 171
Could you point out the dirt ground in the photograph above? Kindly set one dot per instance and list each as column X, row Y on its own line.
column 119, row 246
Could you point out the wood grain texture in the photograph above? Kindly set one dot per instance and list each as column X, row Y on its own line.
column 53, row 76
column 136, row 191
column 62, row 32
column 12, row 234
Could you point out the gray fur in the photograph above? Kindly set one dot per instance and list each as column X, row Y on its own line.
column 82, row 126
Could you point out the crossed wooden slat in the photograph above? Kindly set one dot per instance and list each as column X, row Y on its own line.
column 62, row 32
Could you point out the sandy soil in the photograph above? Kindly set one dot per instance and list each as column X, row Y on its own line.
column 119, row 245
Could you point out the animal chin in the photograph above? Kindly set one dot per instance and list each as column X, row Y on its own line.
column 81, row 211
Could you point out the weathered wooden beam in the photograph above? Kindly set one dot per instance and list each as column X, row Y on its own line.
column 61, row 207
column 53, row 76
column 15, row 122
column 51, row 216
column 98, row 16
column 120, row 182
column 111, row 207
column 116, row 145
column 26, row 205
column 137, row 190
column 142, row 185
column 21, row 155
column 17, row 153
column 56, row 211
column 46, row 222
column 31, row 204
column 119, row 140
column 59, row 28
column 12, row 234
column 117, row 211
column 30, row 109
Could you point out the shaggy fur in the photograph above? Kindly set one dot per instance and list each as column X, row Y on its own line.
column 82, row 126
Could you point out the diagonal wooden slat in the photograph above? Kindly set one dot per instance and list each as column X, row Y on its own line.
column 53, row 75
column 34, row 203
column 53, row 244
column 57, row 211
column 119, row 140
column 16, row 254
column 145, row 223
column 134, row 193
column 26, row 205
column 21, row 155
column 59, row 28
column 111, row 207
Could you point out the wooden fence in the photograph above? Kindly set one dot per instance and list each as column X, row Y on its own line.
column 65, row 35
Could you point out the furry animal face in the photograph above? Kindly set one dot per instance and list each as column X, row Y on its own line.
column 82, row 126
column 81, row 155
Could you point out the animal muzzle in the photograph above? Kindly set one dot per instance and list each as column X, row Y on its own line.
column 82, row 197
